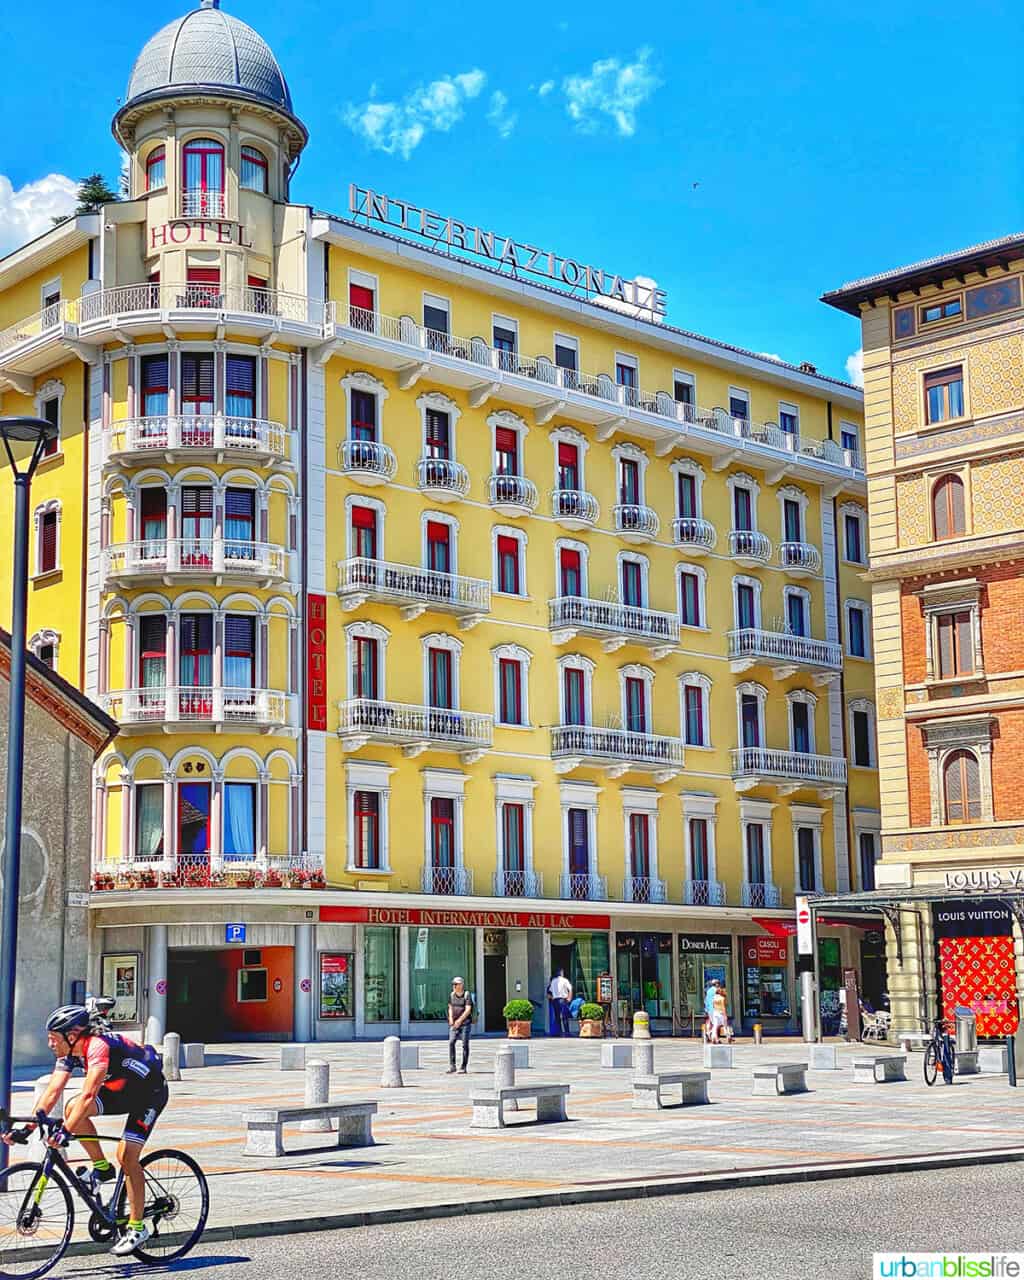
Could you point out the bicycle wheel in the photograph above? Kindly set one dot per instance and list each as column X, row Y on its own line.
column 931, row 1065
column 177, row 1205
column 36, row 1218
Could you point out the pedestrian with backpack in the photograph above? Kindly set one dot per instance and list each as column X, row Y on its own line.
column 460, row 1021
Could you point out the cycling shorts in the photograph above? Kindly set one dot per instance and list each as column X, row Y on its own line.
column 142, row 1106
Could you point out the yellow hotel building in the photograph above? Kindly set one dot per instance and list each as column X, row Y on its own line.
column 543, row 646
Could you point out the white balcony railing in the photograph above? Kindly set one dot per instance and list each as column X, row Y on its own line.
column 266, row 869
column 104, row 307
column 796, row 766
column 202, row 204
column 194, row 558
column 364, row 579
column 413, row 727
column 783, row 648
column 584, row 887
column 198, row 705
column 634, row 521
column 643, row 889
column 447, row 880
column 749, row 544
column 368, row 460
column 51, row 320
column 200, row 433
column 703, row 893
column 755, row 894
column 590, row 744
column 513, row 494
column 442, row 477
column 693, row 534
column 799, row 557
column 574, row 507
column 581, row 615
column 518, row 884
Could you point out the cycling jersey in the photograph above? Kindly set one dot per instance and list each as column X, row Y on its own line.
column 125, row 1063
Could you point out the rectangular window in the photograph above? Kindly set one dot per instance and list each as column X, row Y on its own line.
column 48, row 542
column 510, row 691
column 47, row 655
column 437, row 322
column 149, row 821
column 252, row 986
column 639, row 846
column 848, row 437
column 689, row 593
column 944, row 394
column 240, row 387
column 196, row 383
column 951, row 309
column 862, row 755
column 796, row 614
column 570, row 568
column 194, row 817
column 568, row 466
column 239, row 820
column 366, row 830
column 239, row 651
column 380, row 974
column 746, row 607
column 505, row 343
column 636, row 705
column 750, row 720
column 202, row 287
column 853, row 541
column 579, row 843
column 152, row 651
column 439, row 546
column 575, row 709
column 868, row 857
column 438, row 441
column 51, row 412
column 626, row 377
column 566, row 355
column 506, row 451
column 954, row 633
column 364, row 416
column 364, row 532
column 791, row 521
column 805, row 860
column 693, row 709
column 699, row 860
column 513, row 837
column 364, row 667
column 196, row 518
column 755, row 853
column 154, row 385
column 629, row 482
column 789, row 419
column 195, row 650
column 857, row 640
column 239, row 522
column 742, row 509
column 739, row 403
column 440, row 692
column 362, row 303
column 684, row 389
column 442, row 831
column 687, row 496
column 508, row 565
column 632, row 584
column 801, row 727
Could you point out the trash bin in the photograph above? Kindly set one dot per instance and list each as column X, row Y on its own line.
column 966, row 1030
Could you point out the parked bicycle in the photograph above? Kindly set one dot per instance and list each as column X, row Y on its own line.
column 37, row 1212
column 940, row 1052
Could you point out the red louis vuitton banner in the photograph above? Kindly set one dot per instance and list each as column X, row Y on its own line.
column 316, row 662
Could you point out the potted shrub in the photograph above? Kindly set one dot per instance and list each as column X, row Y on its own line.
column 272, row 878
column 591, row 1021
column 518, row 1014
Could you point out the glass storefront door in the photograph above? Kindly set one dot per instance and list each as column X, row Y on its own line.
column 702, row 958
column 435, row 957
column 644, row 963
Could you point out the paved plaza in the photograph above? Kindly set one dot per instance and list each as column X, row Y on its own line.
column 426, row 1154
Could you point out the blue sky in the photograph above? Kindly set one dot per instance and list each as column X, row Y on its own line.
column 825, row 141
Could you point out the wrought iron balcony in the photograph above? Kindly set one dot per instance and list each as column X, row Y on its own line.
column 756, row 894
column 692, row 534
column 202, row 204
column 414, row 590
column 414, row 728
column 613, row 624
column 643, row 889
column 635, row 523
column 786, row 770
column 368, row 461
column 187, row 708
column 584, row 887
column 511, row 495
column 704, row 893
column 442, row 479
column 617, row 751
column 785, row 653
column 750, row 547
column 575, row 508
column 801, row 559
column 451, row 881
column 212, row 560
column 518, row 884
column 185, row 435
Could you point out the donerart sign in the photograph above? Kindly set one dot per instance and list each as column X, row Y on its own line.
column 503, row 251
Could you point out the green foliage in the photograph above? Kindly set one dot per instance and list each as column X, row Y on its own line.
column 591, row 1013
column 93, row 194
column 518, row 1011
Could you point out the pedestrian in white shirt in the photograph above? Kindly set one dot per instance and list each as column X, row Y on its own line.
column 560, row 993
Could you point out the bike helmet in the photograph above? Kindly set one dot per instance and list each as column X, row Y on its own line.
column 69, row 1017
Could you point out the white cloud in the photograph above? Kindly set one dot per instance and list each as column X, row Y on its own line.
column 499, row 115
column 28, row 211
column 545, row 88
column 613, row 89
column 855, row 367
column 771, row 355
column 398, row 128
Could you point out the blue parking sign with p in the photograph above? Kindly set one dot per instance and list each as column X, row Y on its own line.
column 234, row 933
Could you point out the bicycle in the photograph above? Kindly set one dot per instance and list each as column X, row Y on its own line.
column 939, row 1052
column 37, row 1212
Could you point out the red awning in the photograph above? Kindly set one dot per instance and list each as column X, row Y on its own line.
column 786, row 928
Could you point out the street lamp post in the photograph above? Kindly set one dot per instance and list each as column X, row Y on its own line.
column 36, row 433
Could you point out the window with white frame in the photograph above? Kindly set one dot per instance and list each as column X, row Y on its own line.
column 959, row 751
column 508, row 440
column 633, row 570
column 505, row 341
column 443, row 799
column 743, row 491
column 739, row 403
column 441, row 662
column 684, row 388
column 631, row 469
column 789, row 419
column 689, row 478
column 567, row 358
column 862, row 733
column 578, row 801
column 867, row 826
column 854, row 520
column 570, row 448
column 436, row 321
column 797, row 604
column 46, row 647
column 511, row 684
column 692, row 595
column 50, row 407
column 365, row 527
column 367, row 645
column 858, row 629
column 627, row 376
column 640, row 816
column 575, row 684
column 801, row 720
column 513, row 811
column 439, row 548
column 700, row 818
column 637, row 683
column 509, row 561
column 953, row 639
column 49, row 295
column 438, row 415
column 807, row 864
column 571, row 560
column 368, row 794
column 47, row 525
column 793, row 503
column 750, row 705
column 756, row 841
column 364, row 400
column 849, row 440
column 695, row 708
column 746, row 601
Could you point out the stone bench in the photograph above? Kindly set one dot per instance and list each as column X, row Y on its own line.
column 616, row 1053
column 880, row 1069
column 776, row 1078
column 911, row 1040
column 992, row 1059
column 193, row 1055
column 692, row 1085
column 823, row 1057
column 263, row 1128
column 520, row 1053
column 489, row 1108
column 718, row 1056
column 967, row 1063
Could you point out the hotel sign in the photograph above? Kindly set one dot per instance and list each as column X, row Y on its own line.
column 502, row 250
column 426, row 916
column 198, row 231
column 316, row 663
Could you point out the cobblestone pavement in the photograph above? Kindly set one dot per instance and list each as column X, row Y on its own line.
column 426, row 1153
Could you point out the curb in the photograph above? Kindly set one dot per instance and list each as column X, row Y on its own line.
column 605, row 1192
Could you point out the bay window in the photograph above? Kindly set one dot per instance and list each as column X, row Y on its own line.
column 239, row 821
column 252, row 175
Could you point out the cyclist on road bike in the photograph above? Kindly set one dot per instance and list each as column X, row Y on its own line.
column 121, row 1078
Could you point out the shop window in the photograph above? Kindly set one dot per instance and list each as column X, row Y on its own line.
column 149, row 821
column 239, row 820
column 253, row 174
column 380, row 974
column 948, row 509
column 510, row 691
column 806, row 869
column 689, row 594
column 961, row 787
column 944, row 394
column 583, row 957
column 366, row 822
column 156, row 169
column 154, row 385
column 435, row 956
column 644, row 966
column 252, row 986
column 765, row 989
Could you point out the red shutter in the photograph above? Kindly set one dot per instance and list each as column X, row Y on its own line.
column 505, row 440
column 568, row 455
column 439, row 532
column 48, row 551
column 360, row 296
column 364, row 518
column 203, row 275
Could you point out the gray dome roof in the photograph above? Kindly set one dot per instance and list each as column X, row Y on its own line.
column 209, row 49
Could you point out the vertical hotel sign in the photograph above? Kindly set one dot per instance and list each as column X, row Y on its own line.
column 316, row 662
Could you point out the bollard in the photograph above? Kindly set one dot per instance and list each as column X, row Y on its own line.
column 195, row 1055
column 757, row 1033
column 392, row 1076
column 505, row 1075
column 172, row 1056
column 643, row 1058
column 641, row 1025
column 1011, row 1063
column 318, row 1094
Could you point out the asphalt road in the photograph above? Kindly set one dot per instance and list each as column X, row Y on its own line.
column 824, row 1230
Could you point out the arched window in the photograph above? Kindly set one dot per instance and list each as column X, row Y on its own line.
column 156, row 169
column 253, row 176
column 948, row 510
column 961, row 787
column 203, row 178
